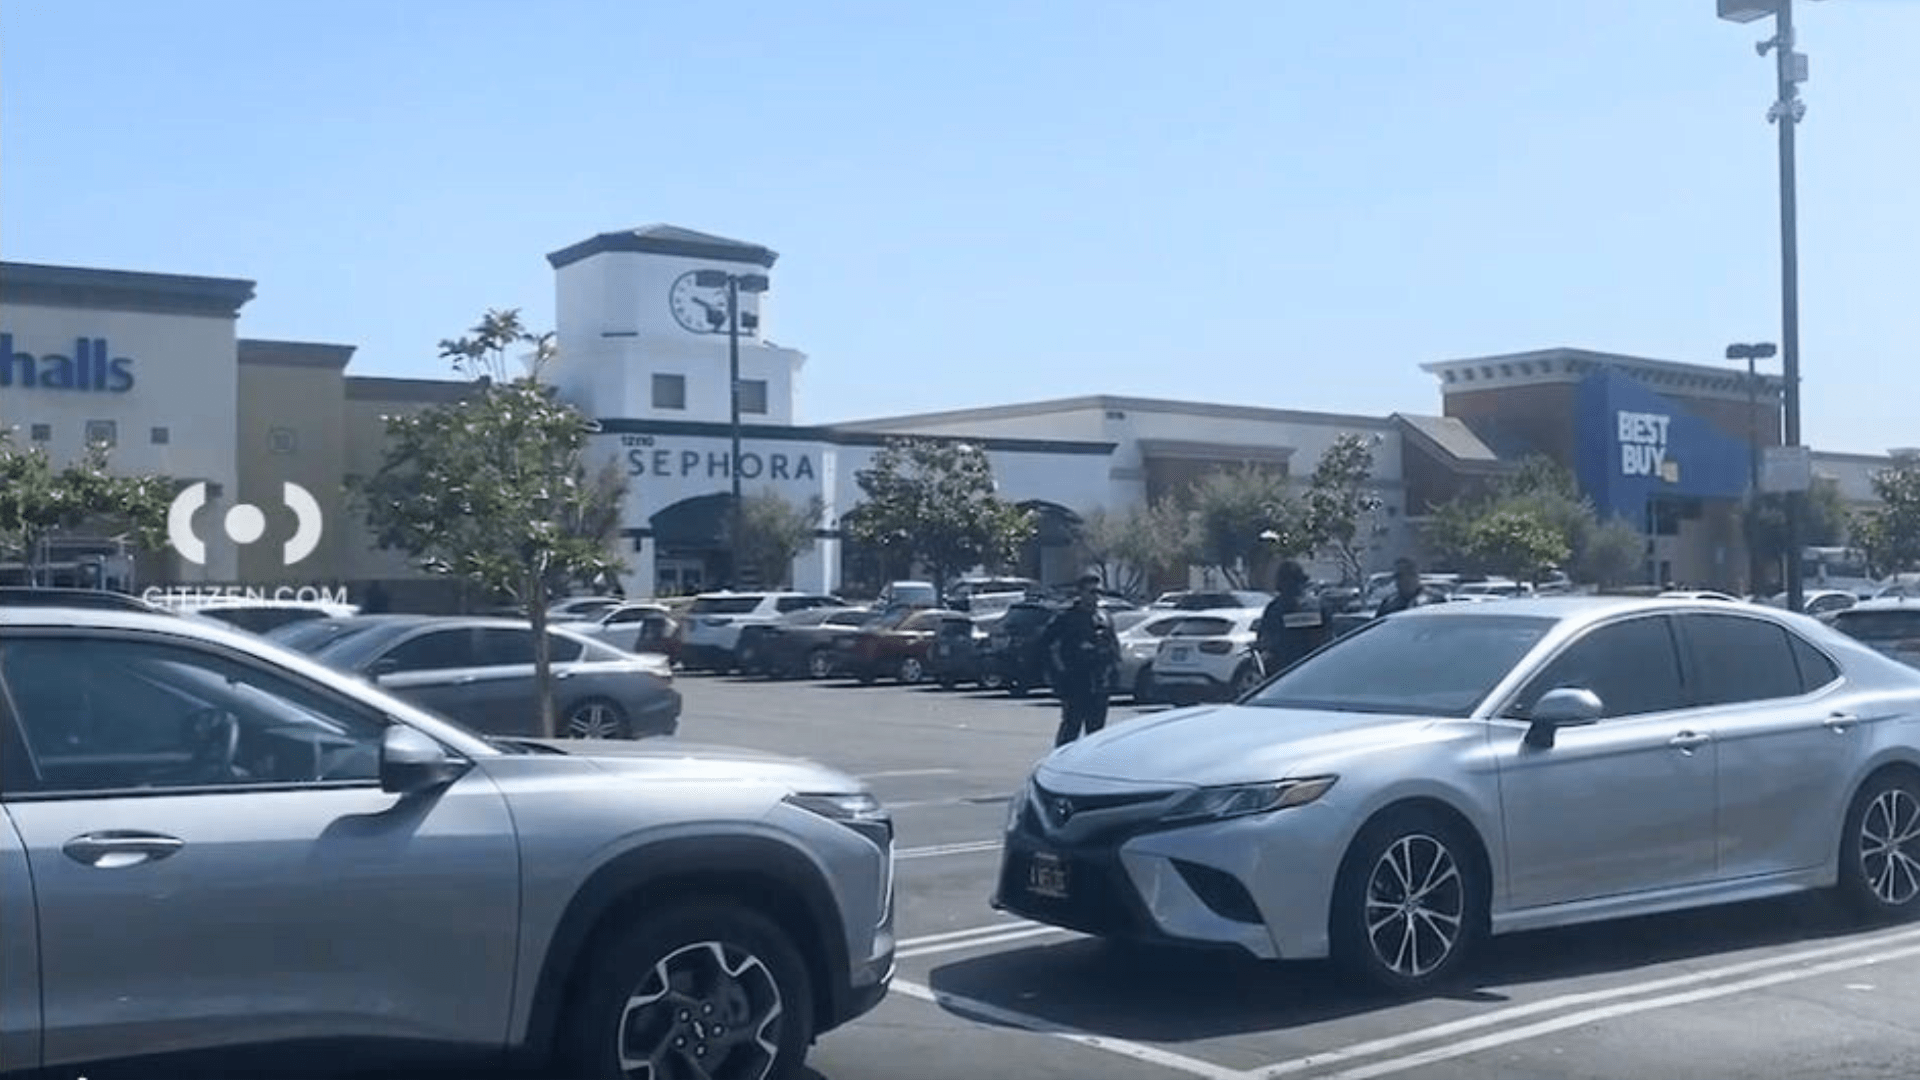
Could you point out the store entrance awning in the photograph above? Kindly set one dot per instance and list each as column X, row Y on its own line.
column 699, row 523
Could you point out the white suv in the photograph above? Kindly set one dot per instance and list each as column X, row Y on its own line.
column 1209, row 655
column 710, row 630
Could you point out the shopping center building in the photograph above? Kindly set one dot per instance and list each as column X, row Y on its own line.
column 155, row 365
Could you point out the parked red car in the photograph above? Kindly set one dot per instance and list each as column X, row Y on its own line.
column 895, row 645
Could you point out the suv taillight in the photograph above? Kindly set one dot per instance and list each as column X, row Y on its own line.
column 1216, row 647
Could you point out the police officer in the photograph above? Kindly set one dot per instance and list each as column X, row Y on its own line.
column 1408, row 590
column 1293, row 624
column 1086, row 652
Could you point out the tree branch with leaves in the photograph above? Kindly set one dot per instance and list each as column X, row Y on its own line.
column 934, row 502
column 38, row 501
column 495, row 488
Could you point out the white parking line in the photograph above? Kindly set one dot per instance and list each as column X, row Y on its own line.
column 936, row 851
column 1611, row 1012
column 1000, row 927
column 981, row 941
column 1567, row 1001
column 1124, row 1048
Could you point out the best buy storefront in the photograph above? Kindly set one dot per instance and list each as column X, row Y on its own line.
column 1667, row 447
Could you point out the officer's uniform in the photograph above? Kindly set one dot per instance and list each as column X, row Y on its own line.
column 1088, row 651
column 1290, row 628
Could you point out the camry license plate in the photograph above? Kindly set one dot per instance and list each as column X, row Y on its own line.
column 1047, row 876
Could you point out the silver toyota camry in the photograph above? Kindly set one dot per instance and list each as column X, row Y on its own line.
column 1463, row 770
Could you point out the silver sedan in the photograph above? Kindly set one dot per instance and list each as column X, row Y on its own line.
column 1463, row 770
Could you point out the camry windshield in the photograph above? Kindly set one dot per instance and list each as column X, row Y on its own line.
column 1424, row 665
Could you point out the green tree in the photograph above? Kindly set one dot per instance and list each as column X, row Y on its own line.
column 1517, row 541
column 495, row 488
column 1341, row 504
column 1615, row 555
column 774, row 532
column 1764, row 522
column 1243, row 517
column 934, row 502
column 39, row 501
column 1890, row 534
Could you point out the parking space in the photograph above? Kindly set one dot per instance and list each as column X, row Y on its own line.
column 1782, row 988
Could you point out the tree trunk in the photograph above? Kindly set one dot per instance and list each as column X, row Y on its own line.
column 542, row 652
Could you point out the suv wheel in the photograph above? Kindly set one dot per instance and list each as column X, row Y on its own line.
column 912, row 671
column 711, row 990
column 820, row 664
column 1244, row 680
column 597, row 718
column 1880, row 854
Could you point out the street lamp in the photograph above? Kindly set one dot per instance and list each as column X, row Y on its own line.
column 1786, row 111
column 735, row 284
column 1759, row 351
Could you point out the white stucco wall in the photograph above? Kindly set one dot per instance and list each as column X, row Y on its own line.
column 184, row 377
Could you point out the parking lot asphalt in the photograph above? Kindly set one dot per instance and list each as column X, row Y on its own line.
column 1782, row 988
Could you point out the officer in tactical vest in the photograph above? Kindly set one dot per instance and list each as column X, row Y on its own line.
column 1085, row 652
column 1293, row 624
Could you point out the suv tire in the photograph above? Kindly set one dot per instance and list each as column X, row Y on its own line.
column 738, row 994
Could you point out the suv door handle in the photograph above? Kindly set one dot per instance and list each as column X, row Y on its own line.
column 116, row 849
column 1689, row 740
column 1840, row 723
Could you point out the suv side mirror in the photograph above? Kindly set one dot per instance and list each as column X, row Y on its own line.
column 1566, row 706
column 411, row 763
column 382, row 667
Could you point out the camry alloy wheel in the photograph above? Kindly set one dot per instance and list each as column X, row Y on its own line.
column 911, row 670
column 594, row 720
column 1416, row 906
column 1890, row 847
column 707, row 1010
column 819, row 664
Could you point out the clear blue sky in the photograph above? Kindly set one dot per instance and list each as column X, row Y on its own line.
column 1264, row 201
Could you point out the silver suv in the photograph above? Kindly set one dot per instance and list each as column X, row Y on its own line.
column 212, row 844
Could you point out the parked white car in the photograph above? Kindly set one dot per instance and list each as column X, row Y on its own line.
column 710, row 632
column 1208, row 655
column 1139, row 643
column 631, row 628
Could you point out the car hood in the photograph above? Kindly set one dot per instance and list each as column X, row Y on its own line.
column 668, row 758
column 1233, row 744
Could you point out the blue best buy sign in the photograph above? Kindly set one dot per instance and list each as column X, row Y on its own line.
column 1635, row 444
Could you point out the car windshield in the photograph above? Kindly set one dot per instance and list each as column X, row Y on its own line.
column 312, row 635
column 1430, row 665
column 724, row 605
column 1880, row 625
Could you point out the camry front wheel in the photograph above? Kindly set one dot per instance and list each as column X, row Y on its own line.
column 1410, row 903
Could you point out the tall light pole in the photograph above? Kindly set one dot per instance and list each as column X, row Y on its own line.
column 735, row 284
column 1785, row 113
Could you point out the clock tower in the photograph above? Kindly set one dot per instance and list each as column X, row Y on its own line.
column 641, row 338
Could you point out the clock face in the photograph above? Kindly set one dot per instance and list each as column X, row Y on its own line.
column 698, row 310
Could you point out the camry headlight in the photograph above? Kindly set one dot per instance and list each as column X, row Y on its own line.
column 1239, row 800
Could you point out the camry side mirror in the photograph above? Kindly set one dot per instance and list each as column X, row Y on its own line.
column 411, row 763
column 1567, row 706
